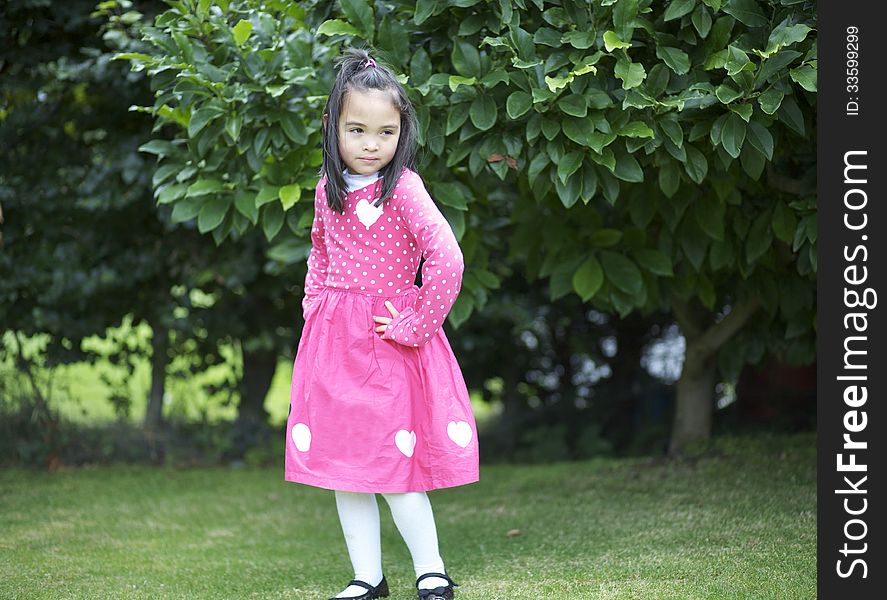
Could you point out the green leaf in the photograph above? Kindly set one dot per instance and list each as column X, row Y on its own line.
column 701, row 21
column 568, row 191
column 709, row 211
column 676, row 59
column 161, row 148
column 539, row 162
column 622, row 272
column 785, row 35
column 466, row 59
column 420, row 67
column 242, row 31
column 693, row 243
column 424, row 9
column 717, row 60
column 631, row 74
column 588, row 278
column 743, row 110
column 624, row 14
column 733, row 135
column 450, row 194
column 726, row 94
column 293, row 127
column 604, row 238
column 204, row 186
column 759, row 137
column 678, row 8
column 657, row 80
column 133, row 56
column 267, row 193
column 746, row 11
column 483, row 112
column 628, row 169
column 784, row 222
column 790, row 114
column 568, row 165
column 171, row 192
column 721, row 255
column 518, row 104
column 612, row 41
column 673, row 130
column 551, row 127
column 456, row 117
column 212, row 213
column 578, row 130
column 579, row 39
column 669, row 178
column 770, row 100
column 337, row 27
column 187, row 209
column 233, row 124
column 655, row 261
column 556, row 83
column 245, row 203
column 696, row 165
column 805, row 76
column 360, row 15
column 773, row 65
column 272, row 220
column 759, row 237
column 637, row 129
column 547, row 37
column 574, row 105
column 456, row 80
column 752, row 161
column 289, row 195
column 737, row 60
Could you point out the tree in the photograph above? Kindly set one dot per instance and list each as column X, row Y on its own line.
column 684, row 129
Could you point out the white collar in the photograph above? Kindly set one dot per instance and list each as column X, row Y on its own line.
column 356, row 182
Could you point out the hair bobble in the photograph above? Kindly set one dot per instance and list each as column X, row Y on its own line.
column 369, row 63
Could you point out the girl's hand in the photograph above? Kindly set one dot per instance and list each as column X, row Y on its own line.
column 385, row 320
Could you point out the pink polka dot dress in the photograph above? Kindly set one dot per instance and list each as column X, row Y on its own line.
column 380, row 412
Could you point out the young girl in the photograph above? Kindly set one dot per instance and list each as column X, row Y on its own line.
column 378, row 401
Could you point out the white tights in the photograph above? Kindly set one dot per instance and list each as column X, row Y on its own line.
column 414, row 519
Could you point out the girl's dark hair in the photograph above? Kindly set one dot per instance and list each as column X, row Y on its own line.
column 358, row 71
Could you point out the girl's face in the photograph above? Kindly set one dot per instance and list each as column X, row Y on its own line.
column 369, row 128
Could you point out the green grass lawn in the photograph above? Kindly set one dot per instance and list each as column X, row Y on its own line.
column 737, row 523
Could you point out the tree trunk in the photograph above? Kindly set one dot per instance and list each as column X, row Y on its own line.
column 695, row 395
column 159, row 359
column 695, row 387
column 258, row 371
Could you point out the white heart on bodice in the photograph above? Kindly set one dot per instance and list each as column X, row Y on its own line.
column 367, row 213
column 301, row 437
column 406, row 441
column 460, row 432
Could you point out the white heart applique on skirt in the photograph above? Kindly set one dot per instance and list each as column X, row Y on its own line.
column 406, row 441
column 367, row 213
column 301, row 437
column 460, row 432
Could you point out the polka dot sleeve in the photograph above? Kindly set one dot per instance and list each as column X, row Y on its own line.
column 318, row 262
column 441, row 272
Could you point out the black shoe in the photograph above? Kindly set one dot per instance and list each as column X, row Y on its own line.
column 380, row 591
column 439, row 593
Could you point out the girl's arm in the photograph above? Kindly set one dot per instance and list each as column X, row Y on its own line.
column 441, row 273
column 318, row 261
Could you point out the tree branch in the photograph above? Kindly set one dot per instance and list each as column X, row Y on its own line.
column 718, row 334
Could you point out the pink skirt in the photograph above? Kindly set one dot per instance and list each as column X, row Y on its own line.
column 372, row 415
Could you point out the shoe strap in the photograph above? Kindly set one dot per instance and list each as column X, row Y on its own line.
column 360, row 583
column 441, row 575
